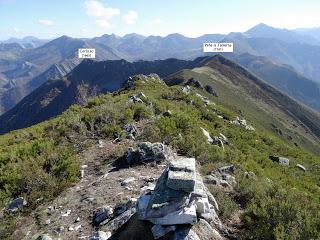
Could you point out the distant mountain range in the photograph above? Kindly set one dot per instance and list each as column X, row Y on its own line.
column 27, row 42
column 25, row 68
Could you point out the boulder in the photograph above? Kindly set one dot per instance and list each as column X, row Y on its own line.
column 159, row 231
column 280, row 160
column 205, row 231
column 100, row 235
column 16, row 204
column 151, row 151
column 119, row 221
column 301, row 167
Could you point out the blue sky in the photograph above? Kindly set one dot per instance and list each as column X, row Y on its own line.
column 88, row 18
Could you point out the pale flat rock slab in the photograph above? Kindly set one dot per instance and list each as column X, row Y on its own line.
column 159, row 231
column 183, row 164
column 181, row 181
column 183, row 216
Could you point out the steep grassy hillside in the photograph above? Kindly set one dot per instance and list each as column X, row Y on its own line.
column 279, row 202
column 258, row 101
column 282, row 77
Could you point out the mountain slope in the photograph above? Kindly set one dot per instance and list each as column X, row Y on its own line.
column 43, row 163
column 54, row 96
column 303, row 57
column 241, row 90
column 282, row 77
column 35, row 66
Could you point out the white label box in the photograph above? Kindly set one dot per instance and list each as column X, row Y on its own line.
column 86, row 53
column 218, row 47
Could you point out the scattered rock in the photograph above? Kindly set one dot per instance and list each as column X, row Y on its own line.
column 70, row 229
column 280, row 160
column 242, row 123
column 101, row 143
column 207, row 135
column 16, row 204
column 48, row 221
column 186, row 89
column 301, row 167
column 167, row 113
column 227, row 169
column 127, row 181
column 77, row 220
column 100, row 235
column 131, row 130
column 222, row 176
column 216, row 140
column 102, row 214
column 66, row 214
column 44, row 237
column 250, row 174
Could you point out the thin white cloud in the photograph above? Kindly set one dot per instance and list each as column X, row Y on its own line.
column 130, row 17
column 45, row 22
column 102, row 14
column 156, row 21
column 16, row 30
column 102, row 23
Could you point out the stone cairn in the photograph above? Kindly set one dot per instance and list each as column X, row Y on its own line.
column 179, row 200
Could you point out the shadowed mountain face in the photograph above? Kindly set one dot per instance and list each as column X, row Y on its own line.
column 23, row 70
column 55, row 96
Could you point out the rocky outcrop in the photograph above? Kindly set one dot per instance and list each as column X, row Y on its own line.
column 146, row 152
column 222, row 177
column 16, row 204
